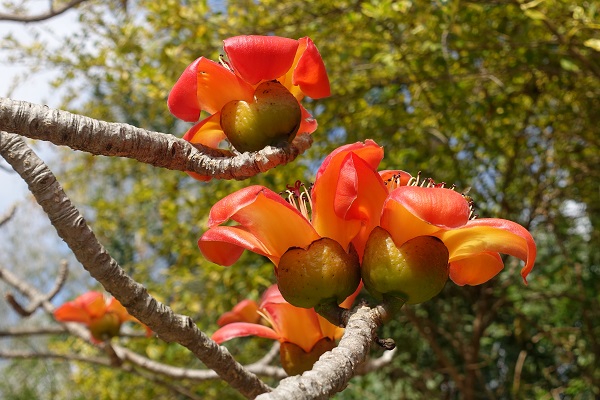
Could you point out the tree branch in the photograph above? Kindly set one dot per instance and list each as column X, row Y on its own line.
column 154, row 148
column 73, row 229
column 43, row 16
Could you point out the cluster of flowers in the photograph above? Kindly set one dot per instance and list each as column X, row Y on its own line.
column 400, row 236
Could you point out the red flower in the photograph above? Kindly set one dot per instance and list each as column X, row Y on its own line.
column 103, row 316
column 253, row 60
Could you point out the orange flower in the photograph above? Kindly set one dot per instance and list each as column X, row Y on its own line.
column 291, row 326
column 407, row 208
column 209, row 86
column 103, row 316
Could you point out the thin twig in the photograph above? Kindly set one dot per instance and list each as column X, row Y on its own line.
column 43, row 16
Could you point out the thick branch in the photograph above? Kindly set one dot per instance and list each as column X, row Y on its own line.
column 73, row 229
column 122, row 140
column 43, row 16
column 334, row 369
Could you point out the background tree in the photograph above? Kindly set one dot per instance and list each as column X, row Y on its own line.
column 499, row 96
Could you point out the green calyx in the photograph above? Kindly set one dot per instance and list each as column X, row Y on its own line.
column 105, row 327
column 413, row 273
column 322, row 273
column 295, row 361
column 272, row 119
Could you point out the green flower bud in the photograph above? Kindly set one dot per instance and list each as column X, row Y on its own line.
column 273, row 118
column 413, row 273
column 322, row 273
column 295, row 361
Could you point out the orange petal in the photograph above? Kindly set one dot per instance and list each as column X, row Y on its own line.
column 207, row 132
column 324, row 217
column 263, row 213
column 69, row 312
column 394, row 174
column 224, row 245
column 444, row 208
column 491, row 235
column 218, row 86
column 293, row 324
column 260, row 58
column 360, row 194
column 476, row 269
column 401, row 223
column 310, row 74
column 241, row 329
column 245, row 311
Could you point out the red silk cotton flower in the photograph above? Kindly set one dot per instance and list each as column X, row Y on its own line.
column 253, row 99
column 103, row 316
column 304, row 335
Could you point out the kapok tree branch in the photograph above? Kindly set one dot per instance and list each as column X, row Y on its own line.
column 122, row 140
column 43, row 16
column 73, row 229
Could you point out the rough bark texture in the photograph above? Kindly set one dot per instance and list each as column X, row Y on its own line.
column 122, row 140
column 73, row 229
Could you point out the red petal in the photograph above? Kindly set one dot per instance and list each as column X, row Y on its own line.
column 218, row 86
column 183, row 99
column 257, row 58
column 241, row 329
column 310, row 73
column 245, row 311
column 393, row 174
column 308, row 124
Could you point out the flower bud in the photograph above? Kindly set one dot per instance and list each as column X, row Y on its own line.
column 273, row 118
column 105, row 327
column 412, row 273
column 322, row 273
column 295, row 361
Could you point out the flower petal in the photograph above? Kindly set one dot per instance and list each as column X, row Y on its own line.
column 293, row 324
column 207, row 132
column 476, row 269
column 307, row 124
column 310, row 74
column 256, row 58
column 244, row 311
column 394, row 174
column 242, row 329
column 224, row 245
column 183, row 99
column 442, row 207
column 69, row 312
column 324, row 217
column 491, row 235
column 218, row 86
column 360, row 194
column 263, row 213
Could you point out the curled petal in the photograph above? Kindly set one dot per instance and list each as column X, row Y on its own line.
column 491, row 235
column 476, row 269
column 325, row 219
column 183, row 99
column 261, row 212
column 242, row 329
column 207, row 132
column 224, row 245
column 256, row 58
column 310, row 74
column 442, row 207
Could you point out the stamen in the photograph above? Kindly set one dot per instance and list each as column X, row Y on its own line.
column 299, row 197
column 224, row 62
